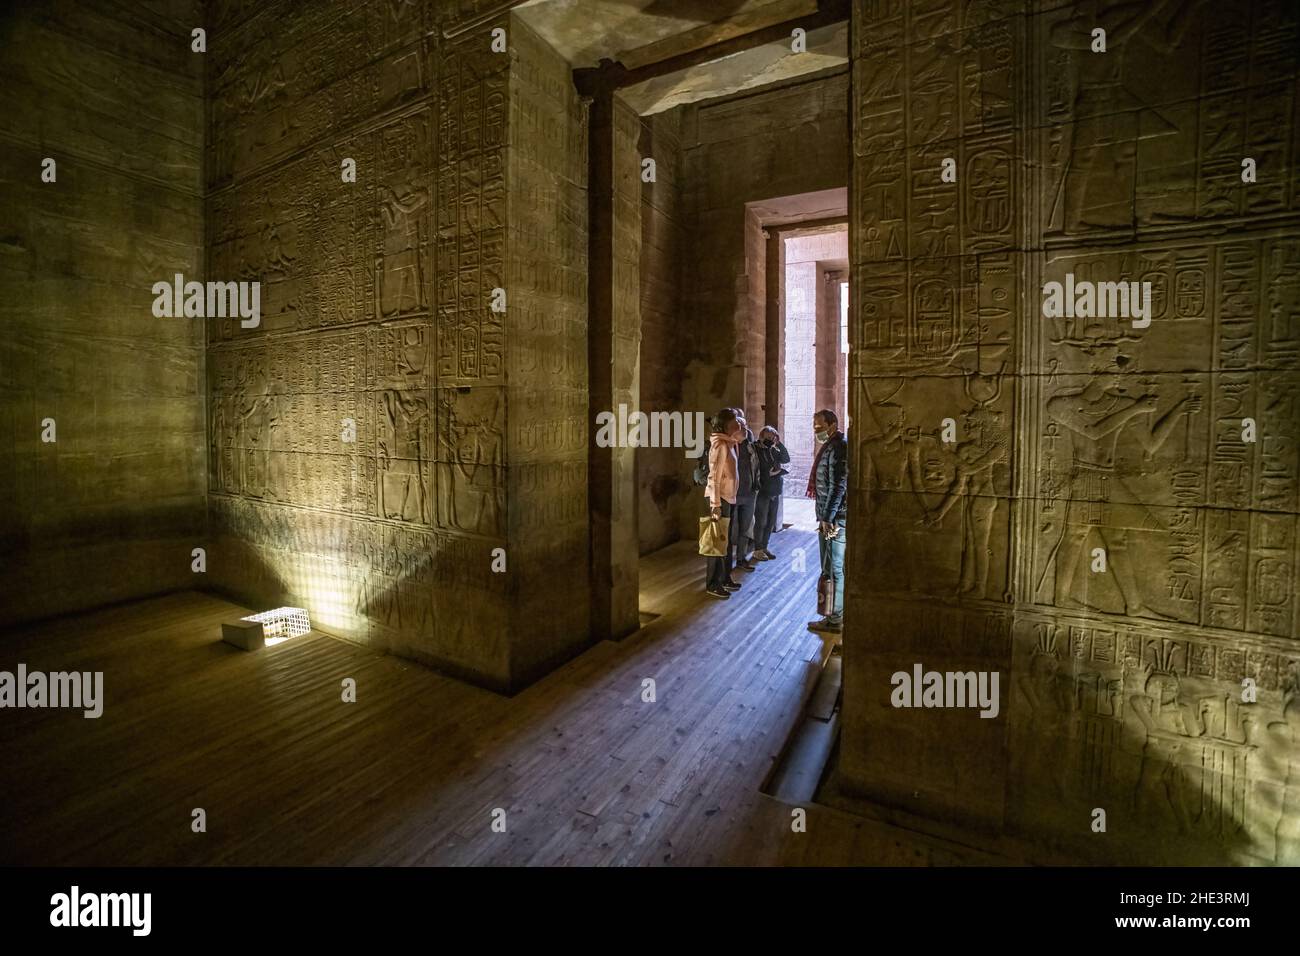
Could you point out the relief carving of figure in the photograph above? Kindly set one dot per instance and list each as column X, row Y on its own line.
column 973, row 485
column 1044, row 688
column 1281, row 758
column 218, row 440
column 1168, row 722
column 1094, row 417
column 400, row 279
column 891, row 458
column 257, row 417
column 472, row 493
column 1096, row 184
column 404, row 458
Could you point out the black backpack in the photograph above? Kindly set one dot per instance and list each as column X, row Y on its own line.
column 701, row 473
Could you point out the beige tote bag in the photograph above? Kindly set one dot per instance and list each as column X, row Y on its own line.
column 713, row 536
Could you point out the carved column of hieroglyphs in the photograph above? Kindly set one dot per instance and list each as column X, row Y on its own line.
column 546, row 440
column 936, row 280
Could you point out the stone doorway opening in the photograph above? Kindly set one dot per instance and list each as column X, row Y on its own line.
column 814, row 348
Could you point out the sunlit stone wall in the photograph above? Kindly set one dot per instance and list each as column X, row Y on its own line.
column 399, row 447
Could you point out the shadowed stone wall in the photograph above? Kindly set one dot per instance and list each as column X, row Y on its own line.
column 390, row 431
column 1102, row 531
column 113, row 506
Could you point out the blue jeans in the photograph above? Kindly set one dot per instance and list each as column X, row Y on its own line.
column 831, row 551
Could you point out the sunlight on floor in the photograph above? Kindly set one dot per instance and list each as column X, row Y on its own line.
column 800, row 514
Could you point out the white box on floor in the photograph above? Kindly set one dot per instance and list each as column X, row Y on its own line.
column 246, row 635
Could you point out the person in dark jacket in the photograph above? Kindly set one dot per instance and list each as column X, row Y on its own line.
column 747, row 484
column 828, row 483
column 771, row 456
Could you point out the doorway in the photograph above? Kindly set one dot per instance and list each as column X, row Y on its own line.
column 814, row 347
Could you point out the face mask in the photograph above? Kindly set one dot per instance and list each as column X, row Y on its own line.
column 821, row 436
column 767, row 441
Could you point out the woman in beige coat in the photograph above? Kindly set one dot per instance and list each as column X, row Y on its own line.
column 720, row 490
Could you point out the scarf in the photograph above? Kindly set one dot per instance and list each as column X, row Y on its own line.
column 812, row 475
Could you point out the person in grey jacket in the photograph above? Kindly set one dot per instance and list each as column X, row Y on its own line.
column 828, row 483
column 772, row 455
column 747, row 484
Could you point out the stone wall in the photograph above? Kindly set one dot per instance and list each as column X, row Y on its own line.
column 363, row 461
column 112, row 508
column 1099, row 531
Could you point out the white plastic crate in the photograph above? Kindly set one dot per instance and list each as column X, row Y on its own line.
column 282, row 623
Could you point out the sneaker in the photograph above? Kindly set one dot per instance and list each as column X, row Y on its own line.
column 731, row 585
column 765, row 555
column 745, row 566
column 826, row 625
column 718, row 592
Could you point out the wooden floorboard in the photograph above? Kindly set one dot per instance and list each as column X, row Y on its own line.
column 587, row 772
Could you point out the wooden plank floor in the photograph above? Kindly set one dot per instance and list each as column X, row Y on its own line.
column 587, row 773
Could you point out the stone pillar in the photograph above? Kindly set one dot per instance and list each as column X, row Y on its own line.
column 828, row 341
column 800, row 370
column 546, row 333
column 1098, row 532
column 613, row 351
column 774, row 319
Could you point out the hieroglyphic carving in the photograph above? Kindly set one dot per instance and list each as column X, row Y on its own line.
column 946, row 500
column 1182, row 93
column 377, row 315
column 1128, row 440
column 278, row 91
column 1150, row 463
column 1155, row 728
column 405, row 217
column 473, row 110
column 344, row 253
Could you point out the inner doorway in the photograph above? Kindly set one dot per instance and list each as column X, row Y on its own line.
column 814, row 348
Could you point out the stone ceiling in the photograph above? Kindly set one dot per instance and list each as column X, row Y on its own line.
column 638, row 32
